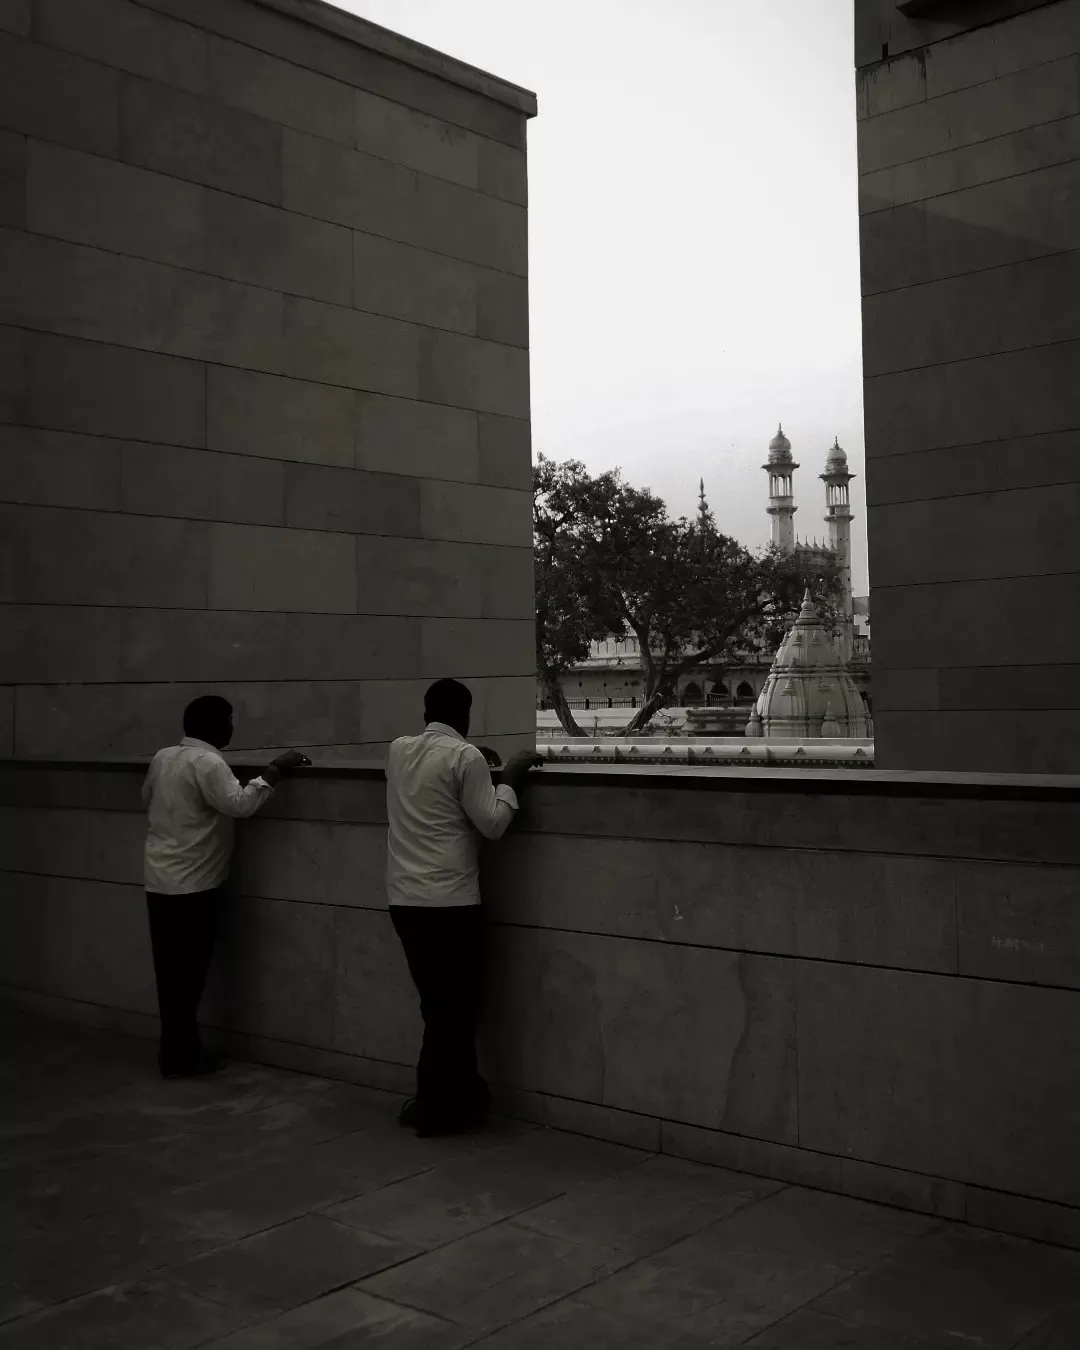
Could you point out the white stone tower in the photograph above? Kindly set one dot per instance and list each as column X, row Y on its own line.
column 781, row 468
column 838, row 517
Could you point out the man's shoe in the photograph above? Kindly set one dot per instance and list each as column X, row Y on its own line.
column 201, row 1067
column 409, row 1115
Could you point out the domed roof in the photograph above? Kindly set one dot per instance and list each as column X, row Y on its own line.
column 779, row 441
column 779, row 447
column 836, row 458
column 809, row 692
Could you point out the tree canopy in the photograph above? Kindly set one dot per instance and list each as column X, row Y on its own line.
column 610, row 562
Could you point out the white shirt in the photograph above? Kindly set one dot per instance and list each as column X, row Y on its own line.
column 439, row 801
column 191, row 796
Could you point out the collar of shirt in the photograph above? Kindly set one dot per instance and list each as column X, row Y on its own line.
column 444, row 730
column 194, row 742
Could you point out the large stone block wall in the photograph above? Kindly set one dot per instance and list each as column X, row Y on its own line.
column 867, row 985
column 969, row 162
column 264, row 378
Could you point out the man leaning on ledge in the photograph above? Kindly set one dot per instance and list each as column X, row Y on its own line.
column 440, row 801
column 192, row 796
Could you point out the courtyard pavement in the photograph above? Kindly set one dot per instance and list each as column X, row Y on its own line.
column 265, row 1210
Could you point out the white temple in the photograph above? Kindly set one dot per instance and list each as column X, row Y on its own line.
column 809, row 692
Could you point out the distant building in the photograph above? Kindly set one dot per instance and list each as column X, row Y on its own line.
column 836, row 548
column 612, row 674
column 809, row 693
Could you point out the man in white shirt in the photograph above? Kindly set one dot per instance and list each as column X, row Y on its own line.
column 192, row 796
column 440, row 802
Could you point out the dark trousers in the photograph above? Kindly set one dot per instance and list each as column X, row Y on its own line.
column 182, row 933
column 445, row 951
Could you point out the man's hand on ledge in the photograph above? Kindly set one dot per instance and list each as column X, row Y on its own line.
column 283, row 764
column 518, row 767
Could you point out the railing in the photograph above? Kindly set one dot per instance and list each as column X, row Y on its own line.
column 587, row 704
column 592, row 704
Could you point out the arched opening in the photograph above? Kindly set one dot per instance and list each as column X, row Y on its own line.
column 692, row 693
column 745, row 693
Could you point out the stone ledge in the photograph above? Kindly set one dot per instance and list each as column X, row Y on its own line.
column 388, row 43
column 1063, row 788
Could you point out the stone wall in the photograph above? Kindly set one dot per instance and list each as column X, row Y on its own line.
column 865, row 983
column 969, row 160
column 264, row 377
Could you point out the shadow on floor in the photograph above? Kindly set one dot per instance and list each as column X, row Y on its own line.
column 265, row 1210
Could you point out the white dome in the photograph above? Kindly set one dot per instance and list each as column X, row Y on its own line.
column 779, row 447
column 836, row 458
column 809, row 692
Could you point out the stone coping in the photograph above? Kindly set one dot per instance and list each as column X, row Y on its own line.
column 388, row 43
column 808, row 781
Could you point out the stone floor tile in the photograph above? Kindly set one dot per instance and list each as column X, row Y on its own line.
column 836, row 1229
column 809, row 1330
column 646, row 1208
column 348, row 1319
column 75, row 1135
column 985, row 1287
column 1061, row 1331
column 259, row 1106
column 746, row 1271
column 48, row 1196
column 572, row 1158
column 288, row 1265
column 230, row 1207
column 85, row 1114
column 488, row 1279
column 457, row 1198
column 148, row 1316
column 724, row 1294
column 573, row 1325
column 118, row 1246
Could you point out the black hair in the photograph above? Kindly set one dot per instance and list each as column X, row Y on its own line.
column 208, row 713
column 447, row 701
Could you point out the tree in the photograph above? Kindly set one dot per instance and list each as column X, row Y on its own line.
column 568, row 506
column 610, row 562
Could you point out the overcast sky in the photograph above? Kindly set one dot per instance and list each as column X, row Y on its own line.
column 694, row 271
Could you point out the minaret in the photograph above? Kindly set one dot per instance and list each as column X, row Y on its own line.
column 705, row 518
column 781, row 508
column 838, row 517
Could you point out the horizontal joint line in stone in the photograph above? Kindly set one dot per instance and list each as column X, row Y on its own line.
column 292, row 295
column 960, row 581
column 274, row 374
column 305, row 215
column 882, row 503
column 229, row 679
column 644, row 770
column 770, row 954
column 978, row 356
column 914, row 55
column 959, row 276
column 973, row 445
column 966, row 187
column 267, row 525
column 125, row 74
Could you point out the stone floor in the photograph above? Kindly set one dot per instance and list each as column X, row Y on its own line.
column 264, row 1210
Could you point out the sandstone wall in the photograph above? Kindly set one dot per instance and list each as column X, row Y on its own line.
column 969, row 162
column 858, row 982
column 264, row 378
